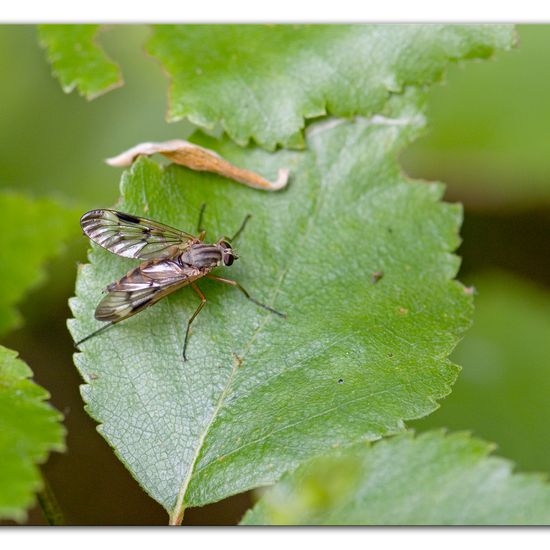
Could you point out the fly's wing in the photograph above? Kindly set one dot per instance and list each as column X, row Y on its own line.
column 142, row 287
column 133, row 237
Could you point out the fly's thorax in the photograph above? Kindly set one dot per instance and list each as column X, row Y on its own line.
column 202, row 255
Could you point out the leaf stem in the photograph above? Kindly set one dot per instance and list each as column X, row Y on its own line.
column 50, row 507
column 176, row 518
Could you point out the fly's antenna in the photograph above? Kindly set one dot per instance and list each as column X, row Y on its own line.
column 240, row 230
column 95, row 333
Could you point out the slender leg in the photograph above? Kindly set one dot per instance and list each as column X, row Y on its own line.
column 197, row 311
column 240, row 230
column 95, row 333
column 237, row 285
column 201, row 213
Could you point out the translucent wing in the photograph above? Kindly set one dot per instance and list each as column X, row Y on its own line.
column 133, row 237
column 142, row 287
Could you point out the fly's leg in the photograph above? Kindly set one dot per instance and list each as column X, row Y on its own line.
column 237, row 285
column 95, row 333
column 197, row 311
column 200, row 229
column 240, row 230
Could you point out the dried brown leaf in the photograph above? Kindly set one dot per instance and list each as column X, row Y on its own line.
column 201, row 159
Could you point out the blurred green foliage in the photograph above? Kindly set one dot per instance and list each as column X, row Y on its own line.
column 489, row 128
column 432, row 479
column 29, row 430
column 54, row 144
column 31, row 232
column 77, row 59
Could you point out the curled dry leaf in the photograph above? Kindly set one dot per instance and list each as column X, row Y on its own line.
column 199, row 158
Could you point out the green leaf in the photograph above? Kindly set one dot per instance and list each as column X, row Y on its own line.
column 29, row 430
column 31, row 232
column 502, row 392
column 262, row 82
column 431, row 480
column 78, row 61
column 358, row 354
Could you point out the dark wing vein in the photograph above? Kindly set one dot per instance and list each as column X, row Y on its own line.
column 133, row 237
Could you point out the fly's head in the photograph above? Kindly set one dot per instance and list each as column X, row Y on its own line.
column 228, row 254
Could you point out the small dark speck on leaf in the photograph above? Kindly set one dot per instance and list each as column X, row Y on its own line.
column 238, row 361
column 390, row 354
column 341, row 381
column 376, row 276
column 390, row 230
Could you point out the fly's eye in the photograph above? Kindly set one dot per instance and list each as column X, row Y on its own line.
column 225, row 244
column 228, row 259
